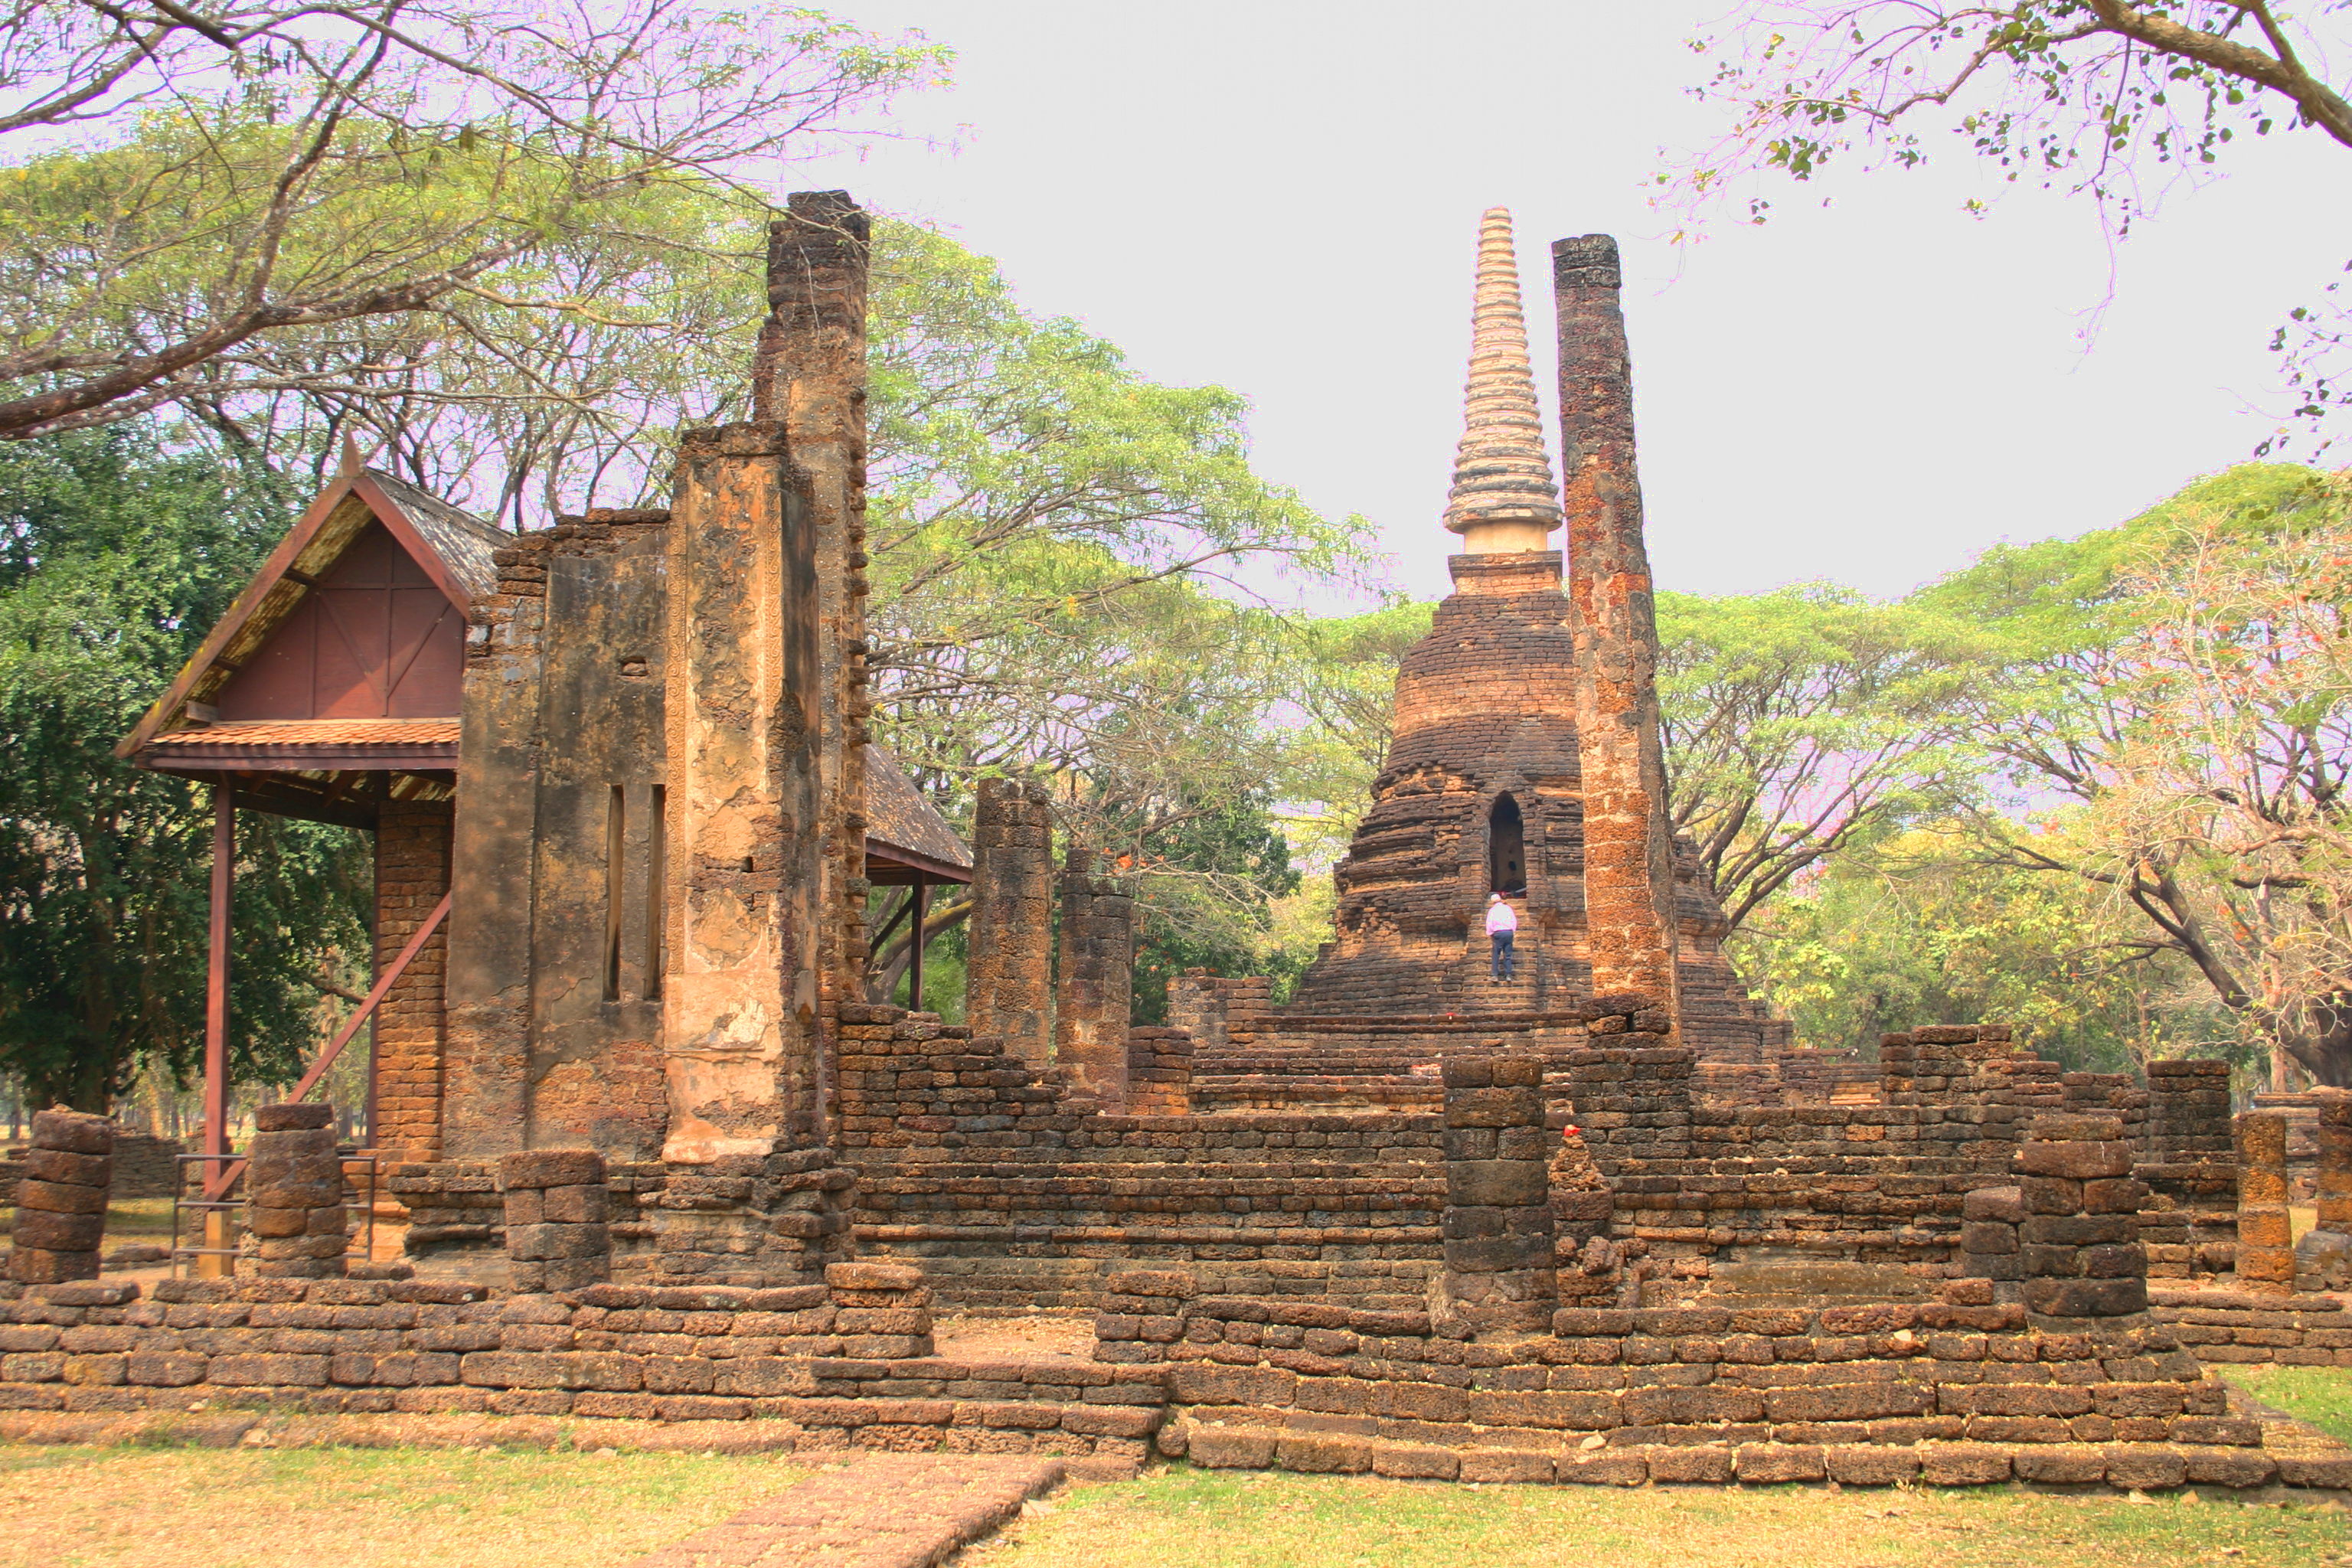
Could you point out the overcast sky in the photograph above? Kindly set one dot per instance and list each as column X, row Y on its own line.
column 1282, row 197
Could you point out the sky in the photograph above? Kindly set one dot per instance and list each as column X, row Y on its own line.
column 1282, row 197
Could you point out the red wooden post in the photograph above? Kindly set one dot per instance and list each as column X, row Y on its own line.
column 218, row 1231
column 915, row 961
column 216, row 973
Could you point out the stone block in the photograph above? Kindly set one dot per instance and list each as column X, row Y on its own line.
column 293, row 1117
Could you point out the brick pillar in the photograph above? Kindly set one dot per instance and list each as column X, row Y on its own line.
column 739, row 999
column 1500, row 1272
column 1989, row 1220
column 61, row 1200
column 2323, row 1258
column 1629, row 870
column 809, row 376
column 294, row 1192
column 2265, row 1233
column 557, row 1235
column 1158, row 1072
column 1009, row 985
column 2078, row 1247
column 1096, row 996
column 2190, row 1166
column 412, row 872
column 881, row 1311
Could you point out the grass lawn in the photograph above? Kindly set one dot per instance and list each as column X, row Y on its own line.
column 2319, row 1395
column 1185, row 1518
column 259, row 1507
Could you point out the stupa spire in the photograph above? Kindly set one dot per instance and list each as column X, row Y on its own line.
column 1503, row 499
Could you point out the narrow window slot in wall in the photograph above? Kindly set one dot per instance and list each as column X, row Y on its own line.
column 616, row 858
column 656, row 891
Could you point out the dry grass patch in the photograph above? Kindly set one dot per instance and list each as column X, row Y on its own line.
column 1184, row 1517
column 255, row 1507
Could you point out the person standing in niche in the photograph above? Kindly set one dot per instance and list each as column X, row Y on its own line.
column 1502, row 928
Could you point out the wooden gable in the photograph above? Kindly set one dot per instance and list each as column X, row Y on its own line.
column 375, row 638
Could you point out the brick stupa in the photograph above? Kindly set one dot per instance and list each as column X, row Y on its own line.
column 1482, row 789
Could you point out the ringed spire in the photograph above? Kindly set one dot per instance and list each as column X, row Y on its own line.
column 1504, row 498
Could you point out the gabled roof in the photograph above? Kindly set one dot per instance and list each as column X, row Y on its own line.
column 453, row 547
column 903, row 827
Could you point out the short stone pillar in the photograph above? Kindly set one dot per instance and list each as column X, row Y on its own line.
column 881, row 1311
column 294, row 1193
column 1499, row 1230
column 2323, row 1258
column 2078, row 1247
column 558, row 1234
column 2265, row 1232
column 1098, row 981
column 1989, row 1217
column 1008, row 985
column 2191, row 1168
column 62, row 1201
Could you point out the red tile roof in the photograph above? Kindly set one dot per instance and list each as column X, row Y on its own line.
column 319, row 733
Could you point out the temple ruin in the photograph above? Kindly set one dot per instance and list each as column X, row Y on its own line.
column 661, row 1160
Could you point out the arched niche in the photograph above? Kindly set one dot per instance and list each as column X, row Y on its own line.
column 1506, row 848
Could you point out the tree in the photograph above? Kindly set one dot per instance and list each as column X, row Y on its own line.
column 2111, row 99
column 1923, row 927
column 1066, row 559
column 2185, row 681
column 114, row 559
column 1802, row 722
column 186, row 181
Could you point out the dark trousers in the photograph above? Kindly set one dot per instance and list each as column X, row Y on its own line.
column 1502, row 939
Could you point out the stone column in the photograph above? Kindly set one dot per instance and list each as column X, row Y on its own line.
column 2265, row 1232
column 2323, row 1258
column 294, row 1192
column 881, row 1311
column 61, row 1200
column 1098, row 979
column 2078, row 1238
column 557, row 1234
column 1500, row 1272
column 2191, row 1167
column 1629, row 870
column 1989, row 1220
column 1009, row 985
column 811, row 378
column 740, row 1000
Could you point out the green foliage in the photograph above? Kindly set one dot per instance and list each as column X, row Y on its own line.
column 1061, row 549
column 114, row 559
column 1805, row 722
column 1926, row 928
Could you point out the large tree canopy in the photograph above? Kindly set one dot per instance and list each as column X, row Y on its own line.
column 185, row 182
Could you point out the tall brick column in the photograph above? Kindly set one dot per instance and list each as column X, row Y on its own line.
column 557, row 1234
column 1097, row 980
column 1629, row 871
column 1498, row 1230
column 1009, row 985
column 412, row 872
column 2265, row 1232
column 809, row 376
column 2078, row 1237
column 739, row 1001
column 61, row 1200
column 2323, row 1258
column 294, row 1192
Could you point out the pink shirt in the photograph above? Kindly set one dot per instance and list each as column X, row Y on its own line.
column 1500, row 916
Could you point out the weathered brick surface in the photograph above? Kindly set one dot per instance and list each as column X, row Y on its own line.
column 61, row 1198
